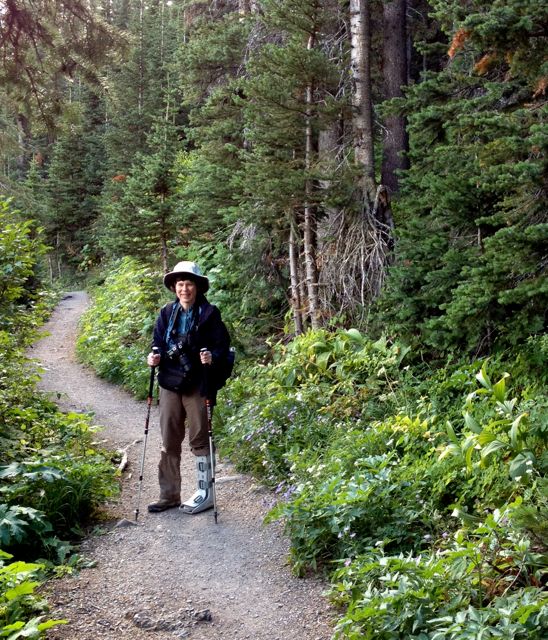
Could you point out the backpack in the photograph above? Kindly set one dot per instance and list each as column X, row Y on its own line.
column 224, row 368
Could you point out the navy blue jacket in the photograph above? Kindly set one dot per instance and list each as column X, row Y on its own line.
column 209, row 332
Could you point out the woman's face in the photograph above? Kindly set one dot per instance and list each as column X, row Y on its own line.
column 186, row 291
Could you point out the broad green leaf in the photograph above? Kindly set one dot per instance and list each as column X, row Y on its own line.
column 493, row 446
column 451, row 433
column 499, row 389
column 485, row 437
column 450, row 449
column 483, row 378
column 355, row 335
column 24, row 588
column 521, row 464
column 48, row 624
column 514, row 431
column 290, row 378
column 322, row 360
column 472, row 423
column 468, row 457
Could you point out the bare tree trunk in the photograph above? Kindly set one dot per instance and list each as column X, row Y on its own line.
column 164, row 240
column 141, row 88
column 395, row 77
column 164, row 254
column 309, row 234
column 329, row 153
column 58, row 254
column 362, row 102
column 23, row 137
column 296, row 302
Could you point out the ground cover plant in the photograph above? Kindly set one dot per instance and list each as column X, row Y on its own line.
column 421, row 495
column 116, row 332
column 52, row 477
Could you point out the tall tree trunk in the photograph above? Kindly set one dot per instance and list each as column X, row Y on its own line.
column 362, row 102
column 296, row 302
column 141, row 88
column 309, row 234
column 163, row 247
column 395, row 77
column 23, row 137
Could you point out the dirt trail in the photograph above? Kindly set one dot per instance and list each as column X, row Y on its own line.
column 172, row 575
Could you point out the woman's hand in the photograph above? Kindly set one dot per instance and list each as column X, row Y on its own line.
column 153, row 359
column 206, row 357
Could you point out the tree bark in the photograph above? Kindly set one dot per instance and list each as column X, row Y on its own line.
column 23, row 137
column 309, row 234
column 296, row 302
column 362, row 102
column 395, row 77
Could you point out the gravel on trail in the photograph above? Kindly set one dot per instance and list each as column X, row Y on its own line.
column 171, row 575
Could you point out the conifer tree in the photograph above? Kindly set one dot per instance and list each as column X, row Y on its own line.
column 212, row 63
column 141, row 218
column 43, row 42
column 471, row 270
column 288, row 104
column 137, row 87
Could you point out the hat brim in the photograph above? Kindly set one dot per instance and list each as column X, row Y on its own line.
column 201, row 281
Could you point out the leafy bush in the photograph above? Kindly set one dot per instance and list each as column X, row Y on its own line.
column 429, row 527
column 19, row 604
column 66, row 487
column 53, row 471
column 20, row 252
column 52, row 477
column 116, row 331
column 467, row 588
column 315, row 384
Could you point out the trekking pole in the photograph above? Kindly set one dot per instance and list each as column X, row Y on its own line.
column 211, row 443
column 155, row 350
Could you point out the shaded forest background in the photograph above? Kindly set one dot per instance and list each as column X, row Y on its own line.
column 364, row 183
column 376, row 164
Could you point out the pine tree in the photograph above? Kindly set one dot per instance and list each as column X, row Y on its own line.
column 141, row 219
column 471, row 267
column 43, row 42
column 139, row 84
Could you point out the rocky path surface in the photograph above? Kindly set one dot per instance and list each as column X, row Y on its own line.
column 172, row 575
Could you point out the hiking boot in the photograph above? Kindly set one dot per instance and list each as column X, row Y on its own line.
column 162, row 505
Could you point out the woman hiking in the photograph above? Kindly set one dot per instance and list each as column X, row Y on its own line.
column 189, row 340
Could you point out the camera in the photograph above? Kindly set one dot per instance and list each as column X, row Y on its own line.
column 178, row 353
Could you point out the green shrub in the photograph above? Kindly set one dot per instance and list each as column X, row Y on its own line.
column 316, row 383
column 52, row 478
column 427, row 530
column 484, row 581
column 116, row 331
column 19, row 603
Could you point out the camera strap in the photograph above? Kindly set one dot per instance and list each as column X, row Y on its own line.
column 180, row 323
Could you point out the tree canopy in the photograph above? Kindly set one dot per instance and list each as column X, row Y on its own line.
column 378, row 164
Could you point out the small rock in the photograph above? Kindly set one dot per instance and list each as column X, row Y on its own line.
column 143, row 620
column 203, row 616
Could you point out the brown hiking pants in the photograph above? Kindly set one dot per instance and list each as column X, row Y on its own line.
column 178, row 411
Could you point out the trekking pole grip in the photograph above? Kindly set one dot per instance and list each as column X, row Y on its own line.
column 206, row 372
column 156, row 352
